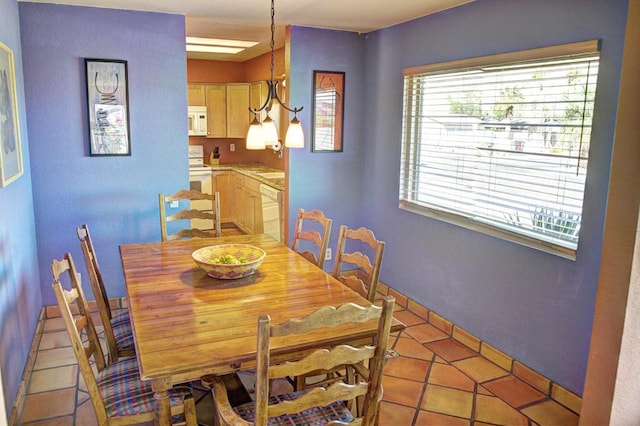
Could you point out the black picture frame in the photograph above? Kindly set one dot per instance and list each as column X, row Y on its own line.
column 328, row 111
column 107, row 107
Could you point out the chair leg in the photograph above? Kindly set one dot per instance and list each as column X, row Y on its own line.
column 190, row 411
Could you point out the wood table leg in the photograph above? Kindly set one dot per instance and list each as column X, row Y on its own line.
column 163, row 406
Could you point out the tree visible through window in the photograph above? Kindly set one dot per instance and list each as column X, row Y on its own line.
column 501, row 144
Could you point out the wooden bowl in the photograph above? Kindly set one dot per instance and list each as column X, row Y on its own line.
column 248, row 257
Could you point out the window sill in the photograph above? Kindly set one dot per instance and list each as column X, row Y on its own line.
column 487, row 229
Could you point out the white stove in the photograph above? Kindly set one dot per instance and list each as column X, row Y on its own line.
column 199, row 180
column 196, row 160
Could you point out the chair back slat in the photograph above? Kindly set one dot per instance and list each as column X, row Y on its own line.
column 319, row 397
column 354, row 283
column 328, row 316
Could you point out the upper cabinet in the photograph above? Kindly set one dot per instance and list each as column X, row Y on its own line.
column 238, row 116
column 216, row 95
column 227, row 108
column 196, row 95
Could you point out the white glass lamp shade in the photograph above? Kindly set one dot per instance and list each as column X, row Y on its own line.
column 269, row 131
column 255, row 135
column 295, row 135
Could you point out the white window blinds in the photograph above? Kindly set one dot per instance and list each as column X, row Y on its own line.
column 502, row 145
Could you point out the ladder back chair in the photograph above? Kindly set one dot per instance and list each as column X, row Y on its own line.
column 355, row 269
column 117, row 393
column 203, row 215
column 319, row 405
column 117, row 328
column 311, row 237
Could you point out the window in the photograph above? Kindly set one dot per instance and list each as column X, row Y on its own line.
column 500, row 144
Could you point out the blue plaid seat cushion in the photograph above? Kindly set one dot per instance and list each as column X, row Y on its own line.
column 125, row 394
column 315, row 416
column 121, row 325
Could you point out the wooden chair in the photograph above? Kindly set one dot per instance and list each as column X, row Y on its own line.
column 311, row 237
column 352, row 267
column 203, row 207
column 117, row 393
column 117, row 329
column 319, row 405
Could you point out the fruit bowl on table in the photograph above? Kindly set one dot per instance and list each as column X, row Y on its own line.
column 229, row 261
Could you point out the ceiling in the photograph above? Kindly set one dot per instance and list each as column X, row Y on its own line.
column 250, row 19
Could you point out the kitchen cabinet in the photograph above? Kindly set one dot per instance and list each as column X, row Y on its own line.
column 227, row 105
column 252, row 206
column 246, row 203
column 237, row 199
column 257, row 94
column 196, row 95
column 216, row 97
column 221, row 182
column 238, row 116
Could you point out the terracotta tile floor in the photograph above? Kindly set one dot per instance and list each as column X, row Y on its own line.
column 434, row 380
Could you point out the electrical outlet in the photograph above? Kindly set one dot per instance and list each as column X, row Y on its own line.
column 232, row 147
column 174, row 204
column 328, row 255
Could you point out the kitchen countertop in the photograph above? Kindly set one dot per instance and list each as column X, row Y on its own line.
column 252, row 170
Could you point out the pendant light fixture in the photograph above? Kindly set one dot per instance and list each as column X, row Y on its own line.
column 264, row 133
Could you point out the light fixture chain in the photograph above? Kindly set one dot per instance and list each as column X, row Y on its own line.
column 273, row 31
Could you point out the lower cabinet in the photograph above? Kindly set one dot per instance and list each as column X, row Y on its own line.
column 221, row 182
column 252, row 207
column 246, row 203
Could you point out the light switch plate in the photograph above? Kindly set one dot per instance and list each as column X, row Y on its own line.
column 232, row 147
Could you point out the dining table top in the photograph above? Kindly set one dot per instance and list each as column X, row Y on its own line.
column 187, row 324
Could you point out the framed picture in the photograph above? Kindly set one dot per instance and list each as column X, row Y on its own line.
column 107, row 107
column 10, row 148
column 328, row 111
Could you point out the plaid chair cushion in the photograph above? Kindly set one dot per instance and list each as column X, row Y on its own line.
column 121, row 325
column 314, row 416
column 123, row 392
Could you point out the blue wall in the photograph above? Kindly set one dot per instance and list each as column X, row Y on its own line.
column 534, row 306
column 20, row 300
column 330, row 182
column 115, row 196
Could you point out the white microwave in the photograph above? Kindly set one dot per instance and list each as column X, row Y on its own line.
column 197, row 121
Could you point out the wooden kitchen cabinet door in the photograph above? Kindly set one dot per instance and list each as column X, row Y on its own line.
column 252, row 207
column 221, row 182
column 238, row 116
column 196, row 95
column 216, row 96
column 237, row 200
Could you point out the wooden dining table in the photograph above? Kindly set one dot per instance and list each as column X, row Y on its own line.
column 187, row 324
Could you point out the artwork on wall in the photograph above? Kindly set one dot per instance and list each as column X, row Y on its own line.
column 107, row 107
column 328, row 111
column 10, row 148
